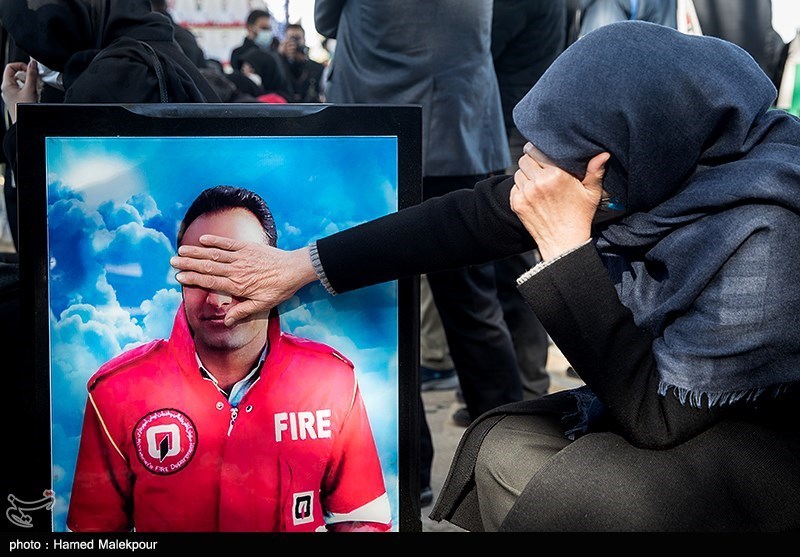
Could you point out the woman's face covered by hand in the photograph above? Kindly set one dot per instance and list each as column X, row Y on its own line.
column 660, row 102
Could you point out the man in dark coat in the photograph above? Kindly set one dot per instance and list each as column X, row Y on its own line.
column 747, row 23
column 527, row 35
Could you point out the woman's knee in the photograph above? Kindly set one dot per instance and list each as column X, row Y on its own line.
column 510, row 454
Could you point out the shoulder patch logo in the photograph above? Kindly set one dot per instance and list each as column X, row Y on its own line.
column 165, row 441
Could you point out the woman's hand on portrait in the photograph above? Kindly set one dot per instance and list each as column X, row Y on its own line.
column 20, row 85
column 556, row 208
column 261, row 276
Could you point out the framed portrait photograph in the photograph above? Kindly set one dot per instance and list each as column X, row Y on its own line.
column 148, row 412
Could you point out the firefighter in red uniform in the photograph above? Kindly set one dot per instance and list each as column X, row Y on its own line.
column 219, row 428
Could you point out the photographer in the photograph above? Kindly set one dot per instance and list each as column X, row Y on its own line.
column 304, row 75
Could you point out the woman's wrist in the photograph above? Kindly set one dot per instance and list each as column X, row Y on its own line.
column 317, row 268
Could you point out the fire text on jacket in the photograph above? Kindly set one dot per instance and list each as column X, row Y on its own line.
column 303, row 425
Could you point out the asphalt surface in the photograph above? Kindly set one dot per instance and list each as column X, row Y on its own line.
column 439, row 408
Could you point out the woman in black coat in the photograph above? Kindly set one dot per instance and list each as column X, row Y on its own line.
column 664, row 198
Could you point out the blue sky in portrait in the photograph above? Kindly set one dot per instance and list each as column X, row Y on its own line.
column 114, row 207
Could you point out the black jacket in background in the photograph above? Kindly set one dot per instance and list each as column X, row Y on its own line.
column 188, row 43
column 747, row 23
column 527, row 35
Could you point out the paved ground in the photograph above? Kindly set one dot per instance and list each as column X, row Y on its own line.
column 439, row 407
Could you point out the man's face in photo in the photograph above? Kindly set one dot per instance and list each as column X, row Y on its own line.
column 205, row 309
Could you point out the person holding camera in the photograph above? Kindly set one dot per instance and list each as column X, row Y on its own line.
column 303, row 73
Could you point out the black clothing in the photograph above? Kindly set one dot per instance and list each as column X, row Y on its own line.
column 527, row 35
column 398, row 245
column 244, row 84
column 477, row 334
column 465, row 227
column 105, row 50
column 99, row 48
column 747, row 23
column 304, row 80
column 268, row 66
column 578, row 304
column 576, row 301
column 236, row 53
column 226, row 89
column 527, row 333
column 188, row 43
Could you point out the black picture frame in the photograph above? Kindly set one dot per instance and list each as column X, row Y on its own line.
column 220, row 128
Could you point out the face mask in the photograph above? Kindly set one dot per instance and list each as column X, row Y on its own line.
column 263, row 39
column 51, row 77
column 255, row 78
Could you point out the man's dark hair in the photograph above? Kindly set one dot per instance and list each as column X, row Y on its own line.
column 220, row 198
column 159, row 6
column 295, row 26
column 255, row 15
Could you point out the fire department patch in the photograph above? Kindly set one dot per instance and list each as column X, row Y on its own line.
column 165, row 441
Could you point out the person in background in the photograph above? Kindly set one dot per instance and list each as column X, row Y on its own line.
column 260, row 35
column 527, row 36
column 386, row 52
column 304, row 75
column 183, row 36
column 747, row 23
column 225, row 87
column 329, row 45
column 263, row 69
column 596, row 13
column 437, row 372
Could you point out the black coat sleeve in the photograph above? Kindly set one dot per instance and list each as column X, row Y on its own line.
column 326, row 16
column 577, row 303
column 464, row 227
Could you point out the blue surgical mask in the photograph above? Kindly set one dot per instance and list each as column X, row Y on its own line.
column 263, row 39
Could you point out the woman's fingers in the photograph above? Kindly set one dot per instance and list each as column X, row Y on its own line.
column 541, row 159
column 202, row 253
column 10, row 73
column 199, row 280
column 31, row 76
column 227, row 244
column 206, row 265
column 595, row 171
column 242, row 310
